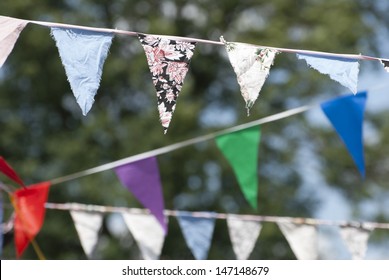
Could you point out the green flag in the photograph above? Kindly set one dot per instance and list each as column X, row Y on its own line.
column 241, row 150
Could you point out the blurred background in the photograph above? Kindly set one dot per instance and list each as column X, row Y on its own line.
column 304, row 168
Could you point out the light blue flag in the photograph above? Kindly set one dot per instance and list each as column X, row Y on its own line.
column 197, row 233
column 83, row 54
column 346, row 115
column 343, row 70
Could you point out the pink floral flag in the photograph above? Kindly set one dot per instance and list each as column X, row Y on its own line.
column 168, row 61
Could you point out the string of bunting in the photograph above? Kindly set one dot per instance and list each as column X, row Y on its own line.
column 197, row 228
column 140, row 173
column 168, row 58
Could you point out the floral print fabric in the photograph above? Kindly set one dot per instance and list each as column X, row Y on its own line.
column 252, row 66
column 168, row 61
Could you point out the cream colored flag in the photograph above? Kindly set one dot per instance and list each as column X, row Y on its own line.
column 147, row 232
column 10, row 29
column 356, row 239
column 251, row 65
column 88, row 225
column 243, row 235
column 302, row 239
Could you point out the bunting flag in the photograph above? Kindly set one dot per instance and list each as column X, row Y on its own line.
column 241, row 150
column 251, row 65
column 168, row 61
column 243, row 235
column 147, row 233
column 385, row 63
column 143, row 180
column 302, row 238
column 197, row 233
column 356, row 240
column 29, row 204
column 343, row 70
column 346, row 115
column 7, row 170
column 83, row 54
column 88, row 225
column 10, row 29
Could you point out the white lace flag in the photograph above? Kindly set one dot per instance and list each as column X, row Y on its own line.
column 343, row 70
column 302, row 239
column 88, row 225
column 356, row 240
column 147, row 232
column 251, row 65
column 243, row 235
column 10, row 29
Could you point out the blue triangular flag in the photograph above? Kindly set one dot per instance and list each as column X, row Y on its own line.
column 83, row 54
column 343, row 70
column 197, row 232
column 346, row 115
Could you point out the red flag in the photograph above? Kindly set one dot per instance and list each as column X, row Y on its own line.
column 30, row 209
column 9, row 172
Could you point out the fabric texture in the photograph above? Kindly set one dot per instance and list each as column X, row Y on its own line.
column 197, row 232
column 251, row 65
column 302, row 239
column 356, row 240
column 88, row 225
column 29, row 204
column 240, row 148
column 142, row 179
column 243, row 235
column 168, row 61
column 83, row 54
column 147, row 233
column 10, row 29
column 343, row 70
column 346, row 114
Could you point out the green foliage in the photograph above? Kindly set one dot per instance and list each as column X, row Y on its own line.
column 45, row 136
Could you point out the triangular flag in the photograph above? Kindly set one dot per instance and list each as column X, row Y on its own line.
column 147, row 233
column 241, row 150
column 168, row 61
column 343, row 70
column 302, row 239
column 143, row 180
column 251, row 65
column 197, row 233
column 83, row 54
column 29, row 204
column 346, row 115
column 10, row 29
column 88, row 225
column 243, row 235
column 356, row 240
column 385, row 63
column 7, row 170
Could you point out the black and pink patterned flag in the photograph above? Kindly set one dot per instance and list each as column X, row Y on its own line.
column 168, row 61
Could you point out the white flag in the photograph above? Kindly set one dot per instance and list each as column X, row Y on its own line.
column 147, row 232
column 88, row 225
column 302, row 239
column 356, row 240
column 243, row 235
column 10, row 29
column 251, row 65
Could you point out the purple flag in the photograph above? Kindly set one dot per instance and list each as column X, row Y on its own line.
column 143, row 180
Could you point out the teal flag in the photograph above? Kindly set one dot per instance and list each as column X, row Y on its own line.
column 241, row 150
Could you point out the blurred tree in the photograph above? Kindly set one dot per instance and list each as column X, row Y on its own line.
column 44, row 135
